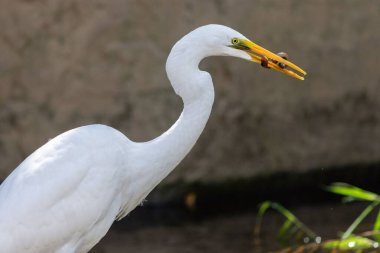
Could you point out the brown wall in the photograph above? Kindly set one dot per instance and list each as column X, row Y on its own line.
column 69, row 63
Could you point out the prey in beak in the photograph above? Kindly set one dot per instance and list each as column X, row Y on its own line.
column 268, row 59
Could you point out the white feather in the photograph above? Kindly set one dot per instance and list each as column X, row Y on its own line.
column 64, row 197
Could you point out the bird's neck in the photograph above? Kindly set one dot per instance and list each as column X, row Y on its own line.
column 161, row 155
column 166, row 151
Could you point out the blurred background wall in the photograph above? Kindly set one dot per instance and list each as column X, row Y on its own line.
column 69, row 63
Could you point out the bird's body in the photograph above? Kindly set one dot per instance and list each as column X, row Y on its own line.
column 64, row 197
column 47, row 203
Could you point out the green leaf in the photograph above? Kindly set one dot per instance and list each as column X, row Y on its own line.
column 359, row 219
column 376, row 227
column 351, row 243
column 352, row 192
column 290, row 217
column 263, row 207
column 285, row 212
column 284, row 229
column 348, row 199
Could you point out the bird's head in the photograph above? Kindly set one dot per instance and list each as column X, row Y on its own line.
column 222, row 40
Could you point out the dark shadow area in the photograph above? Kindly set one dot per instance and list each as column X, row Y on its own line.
column 166, row 206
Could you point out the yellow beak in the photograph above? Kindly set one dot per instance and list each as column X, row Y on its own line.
column 259, row 53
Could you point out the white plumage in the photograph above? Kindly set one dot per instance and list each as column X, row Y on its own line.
column 64, row 197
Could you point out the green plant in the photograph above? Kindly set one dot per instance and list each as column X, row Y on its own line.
column 294, row 232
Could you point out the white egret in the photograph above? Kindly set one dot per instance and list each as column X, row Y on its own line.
column 64, row 197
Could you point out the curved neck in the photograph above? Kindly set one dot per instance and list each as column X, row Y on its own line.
column 158, row 157
column 165, row 152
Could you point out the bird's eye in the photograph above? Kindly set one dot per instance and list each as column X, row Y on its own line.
column 235, row 41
